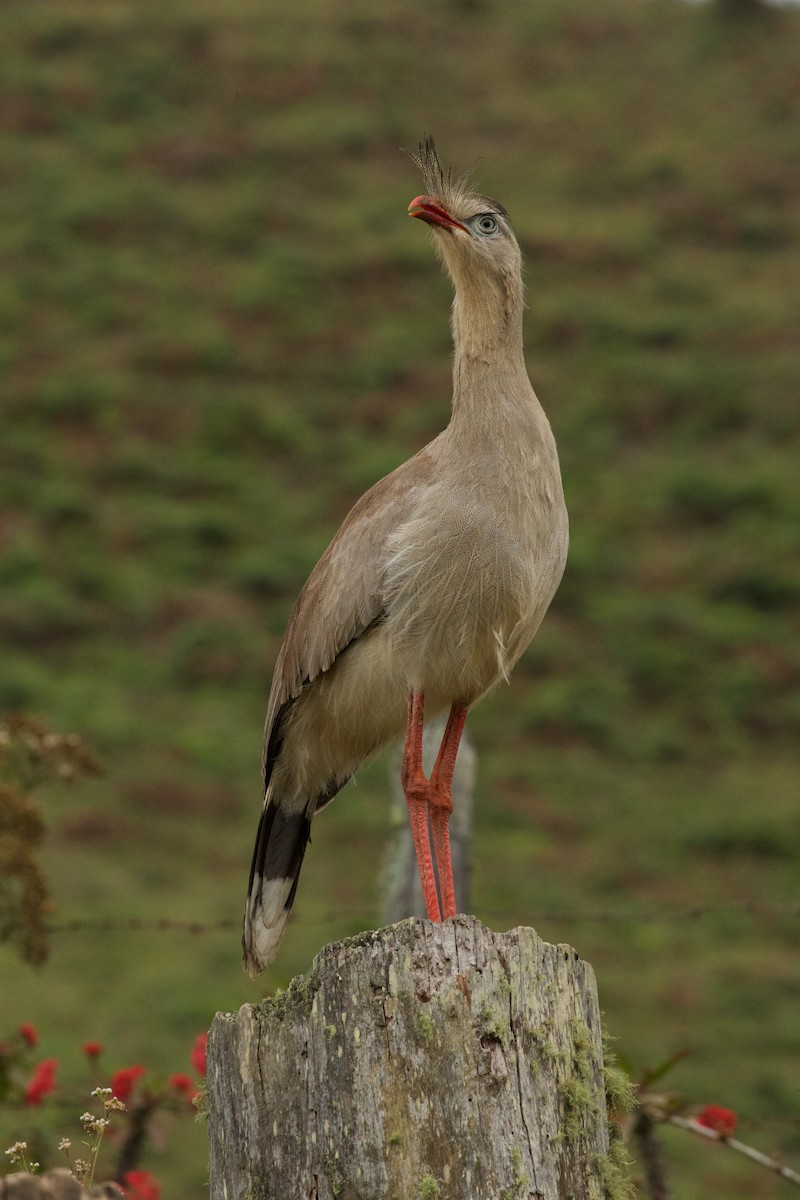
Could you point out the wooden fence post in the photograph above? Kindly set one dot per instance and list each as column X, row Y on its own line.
column 421, row 1061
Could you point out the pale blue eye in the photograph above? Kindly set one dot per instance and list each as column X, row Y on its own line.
column 486, row 224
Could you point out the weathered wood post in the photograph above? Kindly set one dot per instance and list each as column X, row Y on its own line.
column 421, row 1061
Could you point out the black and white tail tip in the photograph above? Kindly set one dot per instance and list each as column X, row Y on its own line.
column 277, row 858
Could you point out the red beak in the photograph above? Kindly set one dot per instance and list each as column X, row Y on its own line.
column 431, row 211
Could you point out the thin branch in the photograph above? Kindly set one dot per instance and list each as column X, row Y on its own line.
column 764, row 1160
column 644, row 1130
column 131, row 1149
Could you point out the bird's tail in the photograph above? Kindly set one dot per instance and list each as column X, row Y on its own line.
column 277, row 858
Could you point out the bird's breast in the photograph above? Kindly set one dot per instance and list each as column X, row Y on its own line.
column 467, row 582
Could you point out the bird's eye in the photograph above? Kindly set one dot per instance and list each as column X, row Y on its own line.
column 485, row 223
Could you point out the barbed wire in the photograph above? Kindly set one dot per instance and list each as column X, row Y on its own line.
column 140, row 925
column 691, row 913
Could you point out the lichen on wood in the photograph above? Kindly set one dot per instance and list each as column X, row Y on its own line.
column 416, row 1058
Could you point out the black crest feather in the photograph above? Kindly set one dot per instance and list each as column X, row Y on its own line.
column 454, row 191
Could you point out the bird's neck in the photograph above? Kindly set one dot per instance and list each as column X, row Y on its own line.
column 489, row 362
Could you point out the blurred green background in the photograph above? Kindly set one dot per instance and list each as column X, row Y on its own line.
column 218, row 327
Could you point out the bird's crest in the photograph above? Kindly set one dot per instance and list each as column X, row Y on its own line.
column 454, row 191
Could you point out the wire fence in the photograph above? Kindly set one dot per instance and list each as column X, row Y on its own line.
column 692, row 913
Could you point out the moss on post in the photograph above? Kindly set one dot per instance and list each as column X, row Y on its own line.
column 422, row 1060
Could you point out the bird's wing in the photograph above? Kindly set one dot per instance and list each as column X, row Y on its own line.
column 344, row 593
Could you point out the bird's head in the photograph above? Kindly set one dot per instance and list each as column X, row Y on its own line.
column 473, row 236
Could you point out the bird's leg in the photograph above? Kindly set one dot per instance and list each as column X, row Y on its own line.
column 441, row 805
column 417, row 791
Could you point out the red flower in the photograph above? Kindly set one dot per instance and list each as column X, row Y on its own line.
column 721, row 1120
column 199, row 1053
column 124, row 1081
column 92, row 1049
column 185, row 1085
column 140, row 1185
column 29, row 1034
column 42, row 1082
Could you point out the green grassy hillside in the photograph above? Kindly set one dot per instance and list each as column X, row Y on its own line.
column 217, row 327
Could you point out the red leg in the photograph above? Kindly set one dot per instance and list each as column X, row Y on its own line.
column 416, row 789
column 441, row 803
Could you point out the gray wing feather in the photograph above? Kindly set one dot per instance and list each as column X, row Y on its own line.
column 344, row 593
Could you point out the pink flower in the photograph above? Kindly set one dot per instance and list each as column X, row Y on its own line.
column 29, row 1034
column 124, row 1081
column 42, row 1082
column 721, row 1120
column 199, row 1053
column 92, row 1049
column 140, row 1185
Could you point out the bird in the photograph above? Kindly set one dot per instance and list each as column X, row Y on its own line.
column 432, row 587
